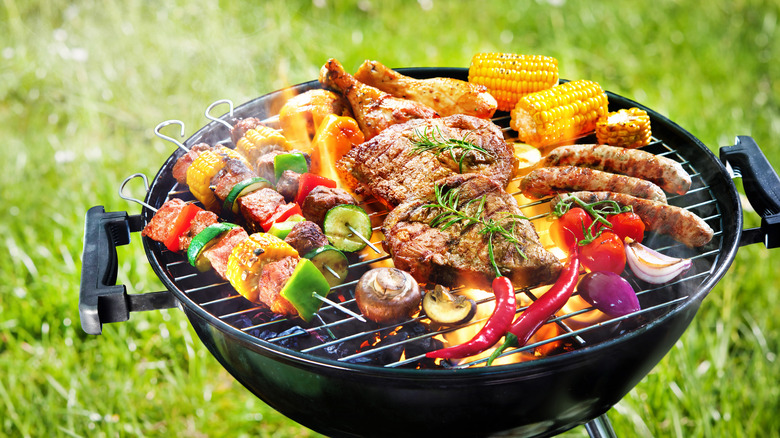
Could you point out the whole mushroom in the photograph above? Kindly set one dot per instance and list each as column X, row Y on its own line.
column 386, row 295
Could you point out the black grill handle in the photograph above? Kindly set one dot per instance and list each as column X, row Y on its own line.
column 101, row 300
column 762, row 188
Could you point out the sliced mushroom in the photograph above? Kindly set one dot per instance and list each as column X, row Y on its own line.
column 387, row 295
column 445, row 308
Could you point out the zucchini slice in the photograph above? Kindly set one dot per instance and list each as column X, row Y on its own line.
column 347, row 227
column 244, row 188
column 331, row 262
column 202, row 241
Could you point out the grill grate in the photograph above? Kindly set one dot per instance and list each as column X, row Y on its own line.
column 337, row 335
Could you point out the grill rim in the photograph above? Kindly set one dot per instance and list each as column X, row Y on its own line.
column 725, row 195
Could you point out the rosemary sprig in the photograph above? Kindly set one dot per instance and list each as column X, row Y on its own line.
column 428, row 142
column 598, row 210
column 451, row 214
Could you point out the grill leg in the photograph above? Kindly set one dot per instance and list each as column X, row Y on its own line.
column 600, row 427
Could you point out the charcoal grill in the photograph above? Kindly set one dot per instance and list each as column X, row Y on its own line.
column 342, row 377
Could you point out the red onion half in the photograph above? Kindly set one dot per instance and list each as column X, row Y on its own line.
column 608, row 292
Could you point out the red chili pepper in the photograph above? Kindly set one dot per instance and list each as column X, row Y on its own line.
column 495, row 327
column 183, row 221
column 542, row 309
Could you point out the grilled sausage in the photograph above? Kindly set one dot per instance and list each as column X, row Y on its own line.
column 679, row 223
column 547, row 181
column 665, row 172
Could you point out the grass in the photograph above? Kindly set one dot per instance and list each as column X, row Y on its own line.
column 82, row 84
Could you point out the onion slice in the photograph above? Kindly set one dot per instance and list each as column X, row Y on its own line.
column 652, row 266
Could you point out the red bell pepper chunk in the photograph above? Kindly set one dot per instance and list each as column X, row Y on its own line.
column 181, row 225
column 308, row 182
column 282, row 213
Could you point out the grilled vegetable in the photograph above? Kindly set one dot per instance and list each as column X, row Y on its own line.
column 294, row 161
column 348, row 227
column 628, row 128
column 563, row 112
column 608, row 292
column 652, row 266
column 495, row 327
column 308, row 182
column 331, row 262
column 604, row 253
column 248, row 258
column 183, row 221
column 386, row 295
column 300, row 288
column 202, row 241
column 242, row 189
column 260, row 140
column 508, row 76
column 335, row 137
column 203, row 169
column 281, row 214
column 282, row 229
column 542, row 309
column 448, row 309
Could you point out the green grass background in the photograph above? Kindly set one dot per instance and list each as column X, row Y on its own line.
column 83, row 84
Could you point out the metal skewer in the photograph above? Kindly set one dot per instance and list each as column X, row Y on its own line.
column 219, row 102
column 170, row 139
column 130, row 198
column 338, row 306
column 332, row 272
column 366, row 241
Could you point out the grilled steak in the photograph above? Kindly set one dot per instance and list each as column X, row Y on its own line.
column 305, row 237
column 234, row 172
column 391, row 167
column 459, row 254
column 321, row 199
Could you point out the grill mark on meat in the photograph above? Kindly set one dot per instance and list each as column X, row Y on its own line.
column 679, row 223
column 389, row 168
column 459, row 254
column 548, row 181
column 665, row 172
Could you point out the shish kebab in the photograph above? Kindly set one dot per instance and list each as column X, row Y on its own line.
column 258, row 205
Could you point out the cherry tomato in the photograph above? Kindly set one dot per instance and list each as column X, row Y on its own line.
column 627, row 224
column 605, row 253
column 567, row 230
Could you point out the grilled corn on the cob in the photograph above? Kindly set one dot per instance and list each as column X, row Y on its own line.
column 564, row 112
column 508, row 76
column 246, row 261
column 260, row 140
column 203, row 169
column 628, row 128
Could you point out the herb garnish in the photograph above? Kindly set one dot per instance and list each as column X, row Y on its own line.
column 598, row 210
column 452, row 214
column 426, row 142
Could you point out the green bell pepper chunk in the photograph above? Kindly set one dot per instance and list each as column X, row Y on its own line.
column 282, row 229
column 305, row 281
column 293, row 161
